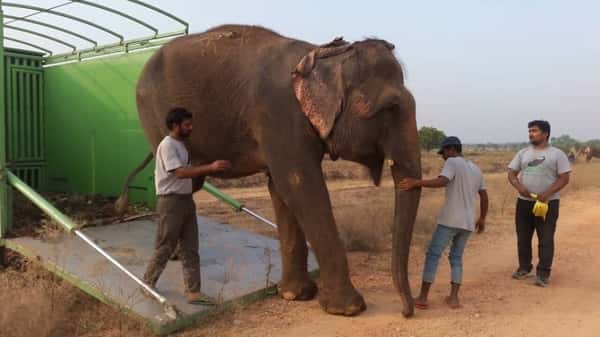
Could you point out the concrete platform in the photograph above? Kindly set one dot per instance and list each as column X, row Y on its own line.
column 235, row 265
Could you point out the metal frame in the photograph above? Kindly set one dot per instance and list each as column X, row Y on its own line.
column 24, row 30
column 5, row 202
column 64, row 15
column 120, row 46
column 47, row 25
column 28, row 44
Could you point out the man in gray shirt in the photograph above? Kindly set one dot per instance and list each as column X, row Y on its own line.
column 177, row 212
column 537, row 172
column 463, row 181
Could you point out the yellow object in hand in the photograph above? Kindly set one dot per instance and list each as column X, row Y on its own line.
column 539, row 208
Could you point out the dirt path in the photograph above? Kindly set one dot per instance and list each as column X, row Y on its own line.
column 493, row 303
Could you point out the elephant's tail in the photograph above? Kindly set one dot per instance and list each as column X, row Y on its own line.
column 121, row 203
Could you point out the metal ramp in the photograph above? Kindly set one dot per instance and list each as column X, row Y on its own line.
column 236, row 265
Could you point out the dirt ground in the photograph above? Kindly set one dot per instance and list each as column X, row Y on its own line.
column 493, row 303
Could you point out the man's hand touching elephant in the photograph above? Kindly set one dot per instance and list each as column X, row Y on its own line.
column 220, row 165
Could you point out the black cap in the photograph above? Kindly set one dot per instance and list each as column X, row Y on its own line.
column 448, row 141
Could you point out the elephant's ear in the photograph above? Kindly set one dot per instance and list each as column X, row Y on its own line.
column 318, row 85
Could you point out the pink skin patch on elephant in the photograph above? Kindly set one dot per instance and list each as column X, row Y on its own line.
column 311, row 103
column 361, row 106
column 295, row 179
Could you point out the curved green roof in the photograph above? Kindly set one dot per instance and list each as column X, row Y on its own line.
column 45, row 30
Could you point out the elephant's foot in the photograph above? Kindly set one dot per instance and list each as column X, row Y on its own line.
column 342, row 301
column 297, row 290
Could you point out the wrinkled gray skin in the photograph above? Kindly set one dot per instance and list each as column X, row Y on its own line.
column 278, row 105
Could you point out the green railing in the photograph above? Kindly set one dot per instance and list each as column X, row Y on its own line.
column 40, row 202
column 5, row 204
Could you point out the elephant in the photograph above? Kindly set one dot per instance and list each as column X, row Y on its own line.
column 273, row 104
column 590, row 152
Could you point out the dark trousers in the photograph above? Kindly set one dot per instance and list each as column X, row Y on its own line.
column 526, row 224
column 177, row 225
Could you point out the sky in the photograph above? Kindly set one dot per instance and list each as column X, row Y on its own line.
column 479, row 70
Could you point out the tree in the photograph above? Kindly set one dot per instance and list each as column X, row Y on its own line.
column 430, row 137
column 565, row 143
column 593, row 142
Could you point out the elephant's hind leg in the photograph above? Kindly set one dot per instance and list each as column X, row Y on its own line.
column 295, row 283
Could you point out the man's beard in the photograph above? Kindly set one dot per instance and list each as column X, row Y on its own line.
column 184, row 135
column 534, row 142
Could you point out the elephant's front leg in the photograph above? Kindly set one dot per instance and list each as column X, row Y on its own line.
column 304, row 192
column 295, row 283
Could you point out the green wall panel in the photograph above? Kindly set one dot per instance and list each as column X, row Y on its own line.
column 93, row 134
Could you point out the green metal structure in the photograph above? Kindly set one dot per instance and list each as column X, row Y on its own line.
column 69, row 121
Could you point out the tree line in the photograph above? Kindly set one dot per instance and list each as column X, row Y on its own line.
column 431, row 137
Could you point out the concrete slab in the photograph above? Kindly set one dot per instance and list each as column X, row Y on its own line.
column 235, row 265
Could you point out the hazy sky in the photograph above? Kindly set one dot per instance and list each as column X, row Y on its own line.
column 478, row 69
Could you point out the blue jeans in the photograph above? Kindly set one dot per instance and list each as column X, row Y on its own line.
column 442, row 237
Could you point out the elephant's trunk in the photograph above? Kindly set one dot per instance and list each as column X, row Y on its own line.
column 407, row 203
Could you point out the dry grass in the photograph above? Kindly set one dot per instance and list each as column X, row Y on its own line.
column 40, row 304
column 365, row 224
column 33, row 312
column 365, row 229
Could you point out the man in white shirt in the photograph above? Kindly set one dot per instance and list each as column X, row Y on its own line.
column 537, row 172
column 175, row 205
column 463, row 181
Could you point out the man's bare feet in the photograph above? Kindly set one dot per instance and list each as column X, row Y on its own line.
column 421, row 303
column 453, row 302
column 421, row 300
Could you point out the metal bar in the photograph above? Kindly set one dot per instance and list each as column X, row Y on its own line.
column 114, row 11
column 10, row 111
column 208, row 187
column 16, row 114
column 26, row 111
column 35, row 116
column 42, row 35
column 161, row 299
column 167, row 14
column 130, row 46
column 264, row 220
column 39, row 201
column 38, row 13
column 16, row 18
column 44, row 10
column 121, row 46
column 49, row 52
column 8, row 53
column 21, row 112
column 41, row 125
column 5, row 204
column 259, row 217
column 33, row 130
column 238, row 206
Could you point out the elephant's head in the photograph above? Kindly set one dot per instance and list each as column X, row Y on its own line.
column 355, row 98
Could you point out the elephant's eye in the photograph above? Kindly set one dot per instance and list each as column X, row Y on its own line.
column 392, row 106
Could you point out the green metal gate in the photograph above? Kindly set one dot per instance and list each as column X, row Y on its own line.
column 24, row 116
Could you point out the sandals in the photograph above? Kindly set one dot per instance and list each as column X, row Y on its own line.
column 199, row 299
column 541, row 281
column 520, row 274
